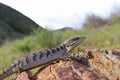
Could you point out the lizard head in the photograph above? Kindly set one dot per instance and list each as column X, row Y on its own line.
column 72, row 43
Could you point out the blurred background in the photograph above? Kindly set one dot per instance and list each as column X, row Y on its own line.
column 29, row 26
column 57, row 14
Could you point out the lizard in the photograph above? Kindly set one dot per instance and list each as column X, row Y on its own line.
column 43, row 57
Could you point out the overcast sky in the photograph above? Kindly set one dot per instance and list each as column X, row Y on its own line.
column 56, row 14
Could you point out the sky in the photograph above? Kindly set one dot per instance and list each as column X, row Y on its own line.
column 55, row 14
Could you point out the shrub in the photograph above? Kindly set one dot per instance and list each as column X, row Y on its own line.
column 94, row 21
column 22, row 46
column 47, row 39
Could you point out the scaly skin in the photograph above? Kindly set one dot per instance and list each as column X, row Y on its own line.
column 42, row 57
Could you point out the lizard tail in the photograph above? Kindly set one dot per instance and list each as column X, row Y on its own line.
column 6, row 73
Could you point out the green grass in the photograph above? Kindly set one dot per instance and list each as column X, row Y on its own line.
column 102, row 38
column 105, row 38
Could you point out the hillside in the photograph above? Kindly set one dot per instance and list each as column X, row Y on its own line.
column 14, row 24
column 64, row 29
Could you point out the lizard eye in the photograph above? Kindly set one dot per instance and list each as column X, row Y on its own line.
column 68, row 46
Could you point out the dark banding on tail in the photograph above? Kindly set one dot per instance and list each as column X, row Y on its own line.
column 9, row 71
column 6, row 73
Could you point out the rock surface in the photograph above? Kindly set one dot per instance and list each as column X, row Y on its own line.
column 91, row 65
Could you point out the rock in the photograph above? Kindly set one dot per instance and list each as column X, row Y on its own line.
column 70, row 70
column 22, row 76
column 99, row 65
column 107, row 63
